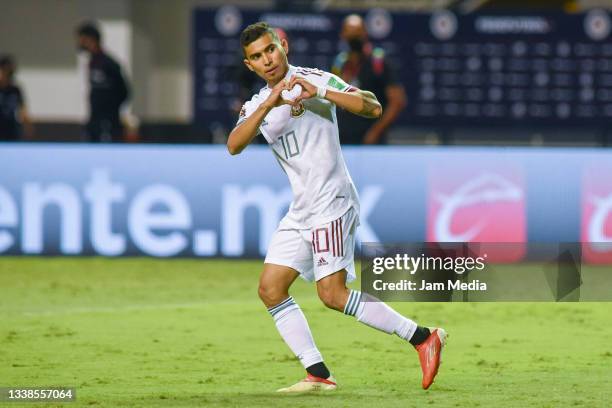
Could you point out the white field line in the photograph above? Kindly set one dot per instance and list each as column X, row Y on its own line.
column 128, row 308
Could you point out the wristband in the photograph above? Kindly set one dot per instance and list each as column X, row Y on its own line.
column 321, row 92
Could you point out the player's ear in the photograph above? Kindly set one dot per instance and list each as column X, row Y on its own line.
column 248, row 64
column 285, row 45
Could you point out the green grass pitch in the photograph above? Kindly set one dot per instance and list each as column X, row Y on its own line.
column 181, row 333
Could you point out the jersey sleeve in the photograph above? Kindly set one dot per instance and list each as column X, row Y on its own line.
column 247, row 110
column 335, row 83
column 323, row 78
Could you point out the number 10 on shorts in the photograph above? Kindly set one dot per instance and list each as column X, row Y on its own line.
column 329, row 239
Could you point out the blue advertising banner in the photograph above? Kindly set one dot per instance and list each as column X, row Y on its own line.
column 199, row 201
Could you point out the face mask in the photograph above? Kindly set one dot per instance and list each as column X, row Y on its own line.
column 355, row 44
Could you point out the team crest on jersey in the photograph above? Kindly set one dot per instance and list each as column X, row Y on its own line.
column 297, row 111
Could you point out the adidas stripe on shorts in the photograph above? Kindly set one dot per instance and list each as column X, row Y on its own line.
column 317, row 252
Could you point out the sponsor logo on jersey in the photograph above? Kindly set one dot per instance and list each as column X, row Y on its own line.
column 484, row 205
column 297, row 111
column 334, row 83
column 596, row 225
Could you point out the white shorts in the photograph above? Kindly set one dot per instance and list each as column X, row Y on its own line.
column 318, row 252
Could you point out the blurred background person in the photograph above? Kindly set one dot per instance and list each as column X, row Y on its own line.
column 365, row 67
column 15, row 123
column 108, row 88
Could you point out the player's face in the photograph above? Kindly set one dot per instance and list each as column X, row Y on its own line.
column 267, row 58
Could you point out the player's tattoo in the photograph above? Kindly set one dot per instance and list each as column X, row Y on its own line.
column 370, row 105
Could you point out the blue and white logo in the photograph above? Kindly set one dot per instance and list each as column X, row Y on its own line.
column 379, row 23
column 228, row 20
column 597, row 24
column 443, row 25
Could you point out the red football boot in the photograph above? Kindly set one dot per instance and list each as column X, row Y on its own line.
column 430, row 352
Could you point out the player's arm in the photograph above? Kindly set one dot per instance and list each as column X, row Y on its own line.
column 359, row 102
column 245, row 132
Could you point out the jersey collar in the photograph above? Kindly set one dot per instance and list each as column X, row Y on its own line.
column 288, row 75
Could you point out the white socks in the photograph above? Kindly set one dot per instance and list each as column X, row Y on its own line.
column 293, row 328
column 374, row 313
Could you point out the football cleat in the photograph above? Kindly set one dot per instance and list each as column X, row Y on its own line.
column 312, row 383
column 430, row 352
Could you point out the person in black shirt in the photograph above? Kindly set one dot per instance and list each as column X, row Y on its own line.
column 108, row 88
column 14, row 120
column 365, row 67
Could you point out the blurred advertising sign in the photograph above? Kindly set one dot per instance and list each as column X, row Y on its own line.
column 198, row 201
column 480, row 68
column 483, row 202
column 596, row 222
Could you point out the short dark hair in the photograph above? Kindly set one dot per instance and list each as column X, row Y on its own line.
column 8, row 63
column 255, row 31
column 89, row 29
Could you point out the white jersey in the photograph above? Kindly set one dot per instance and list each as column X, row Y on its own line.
column 307, row 146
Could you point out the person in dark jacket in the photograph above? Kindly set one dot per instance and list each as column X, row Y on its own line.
column 15, row 123
column 108, row 88
column 366, row 67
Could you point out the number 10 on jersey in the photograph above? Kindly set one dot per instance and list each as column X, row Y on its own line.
column 290, row 145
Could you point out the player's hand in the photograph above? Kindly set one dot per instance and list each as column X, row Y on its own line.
column 275, row 99
column 308, row 89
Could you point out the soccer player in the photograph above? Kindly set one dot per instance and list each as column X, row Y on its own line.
column 296, row 113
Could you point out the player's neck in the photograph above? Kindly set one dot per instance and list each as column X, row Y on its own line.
column 273, row 83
